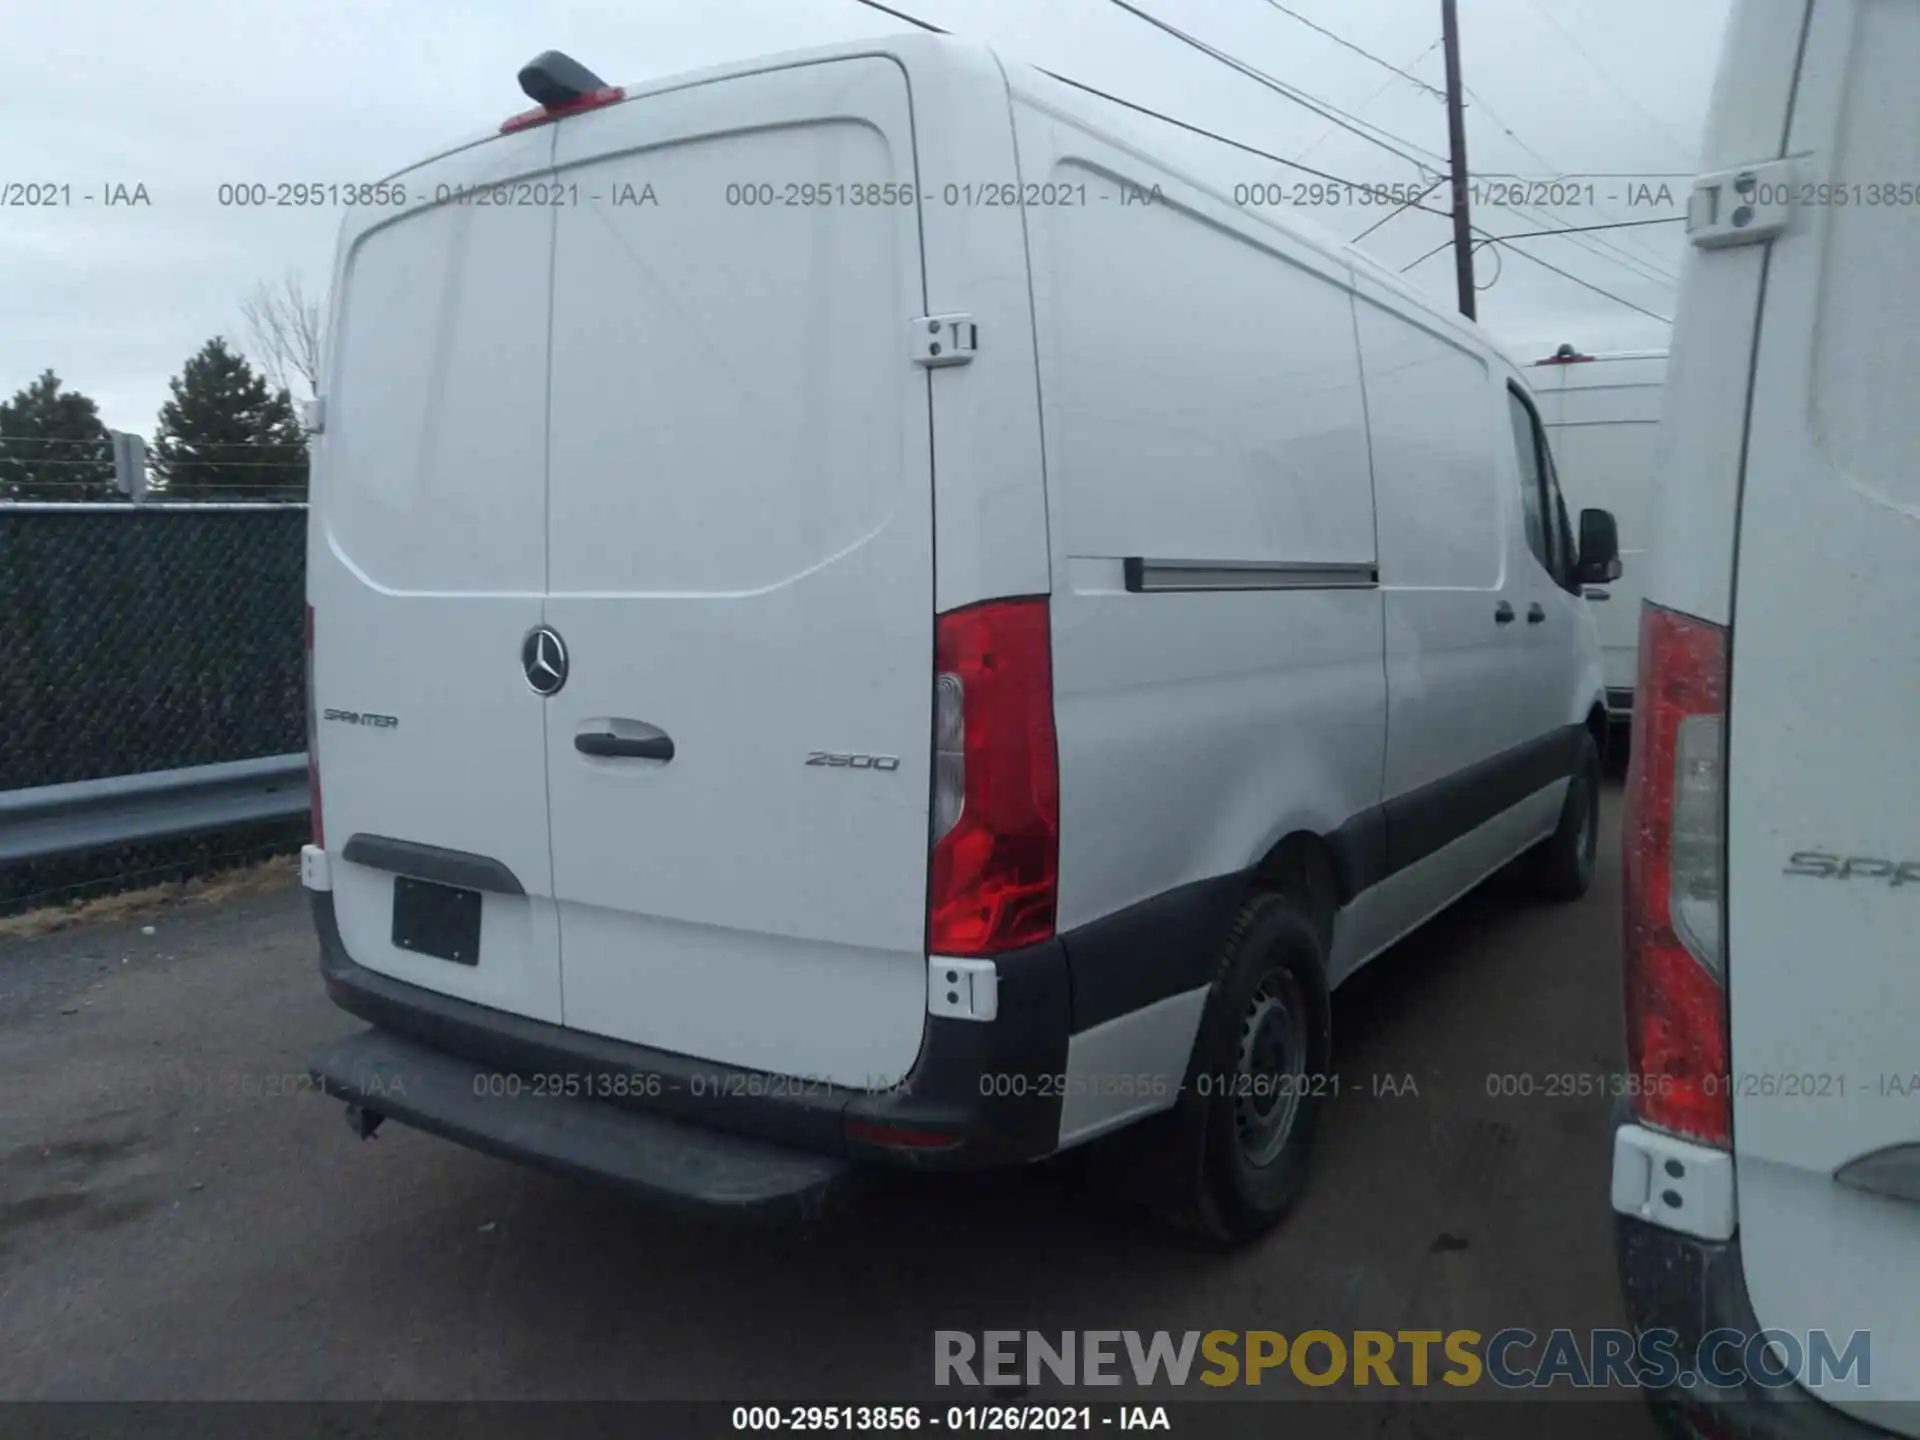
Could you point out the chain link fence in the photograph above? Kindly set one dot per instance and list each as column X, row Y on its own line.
column 150, row 636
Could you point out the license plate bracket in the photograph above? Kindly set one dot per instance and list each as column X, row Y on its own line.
column 438, row 920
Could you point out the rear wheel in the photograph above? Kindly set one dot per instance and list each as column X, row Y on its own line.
column 1236, row 1148
column 1561, row 866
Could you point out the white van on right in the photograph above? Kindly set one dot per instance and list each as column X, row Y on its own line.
column 1768, row 1175
column 1602, row 417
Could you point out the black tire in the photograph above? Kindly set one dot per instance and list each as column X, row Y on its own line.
column 1233, row 1155
column 1561, row 866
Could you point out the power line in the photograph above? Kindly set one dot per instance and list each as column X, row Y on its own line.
column 1209, row 134
column 1437, row 93
column 1559, row 231
column 1586, row 284
column 1326, row 134
column 1528, row 255
column 1627, row 258
column 1254, row 149
column 1147, row 109
column 1399, row 209
column 1486, row 239
column 1350, row 123
column 1568, row 230
column 902, row 15
column 1607, row 76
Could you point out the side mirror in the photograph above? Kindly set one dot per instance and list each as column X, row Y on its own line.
column 1599, row 549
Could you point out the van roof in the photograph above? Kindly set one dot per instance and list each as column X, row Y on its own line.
column 1110, row 121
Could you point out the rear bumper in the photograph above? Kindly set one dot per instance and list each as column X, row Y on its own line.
column 665, row 1160
column 953, row 1111
column 1692, row 1287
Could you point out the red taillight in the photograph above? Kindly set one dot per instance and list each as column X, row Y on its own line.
column 994, row 872
column 1674, row 959
column 541, row 114
column 313, row 744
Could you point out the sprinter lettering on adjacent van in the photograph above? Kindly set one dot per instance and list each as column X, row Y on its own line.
column 1818, row 865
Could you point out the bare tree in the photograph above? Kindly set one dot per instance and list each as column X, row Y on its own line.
column 285, row 328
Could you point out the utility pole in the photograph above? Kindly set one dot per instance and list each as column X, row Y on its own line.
column 1457, row 150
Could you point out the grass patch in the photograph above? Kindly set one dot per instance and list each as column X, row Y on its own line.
column 275, row 874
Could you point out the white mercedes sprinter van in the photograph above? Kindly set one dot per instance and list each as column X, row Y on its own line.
column 860, row 618
column 1767, row 1174
column 1602, row 414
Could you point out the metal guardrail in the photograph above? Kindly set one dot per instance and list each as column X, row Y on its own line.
column 54, row 820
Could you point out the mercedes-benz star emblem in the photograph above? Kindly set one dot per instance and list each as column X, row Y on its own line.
column 543, row 656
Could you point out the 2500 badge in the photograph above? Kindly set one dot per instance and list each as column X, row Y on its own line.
column 853, row 762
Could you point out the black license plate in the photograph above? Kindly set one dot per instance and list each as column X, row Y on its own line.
column 437, row 920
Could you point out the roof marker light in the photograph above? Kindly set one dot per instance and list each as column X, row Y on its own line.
column 1565, row 355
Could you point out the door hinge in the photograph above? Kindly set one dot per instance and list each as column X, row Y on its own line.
column 944, row 340
column 1740, row 207
column 313, row 415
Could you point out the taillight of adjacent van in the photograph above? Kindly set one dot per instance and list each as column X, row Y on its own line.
column 994, row 866
column 313, row 744
column 1675, row 854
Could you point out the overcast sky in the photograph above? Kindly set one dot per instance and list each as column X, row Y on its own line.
column 184, row 95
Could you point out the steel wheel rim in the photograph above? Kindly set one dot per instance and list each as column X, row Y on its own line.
column 1271, row 1069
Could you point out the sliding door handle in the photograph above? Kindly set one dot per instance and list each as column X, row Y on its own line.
column 1503, row 614
column 1535, row 614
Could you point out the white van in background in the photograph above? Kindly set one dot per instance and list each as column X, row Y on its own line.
column 1602, row 414
column 1767, row 1175
column 858, row 617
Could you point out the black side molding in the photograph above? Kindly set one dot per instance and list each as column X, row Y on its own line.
column 1424, row 820
column 430, row 862
column 1166, row 945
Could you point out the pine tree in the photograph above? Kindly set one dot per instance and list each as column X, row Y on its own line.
column 227, row 435
column 53, row 446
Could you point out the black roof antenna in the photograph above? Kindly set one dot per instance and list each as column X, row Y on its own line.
column 552, row 79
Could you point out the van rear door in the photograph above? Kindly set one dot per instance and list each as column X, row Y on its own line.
column 1823, row 879
column 426, row 565
column 740, row 542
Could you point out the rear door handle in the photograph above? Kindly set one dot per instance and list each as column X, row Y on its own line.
column 623, row 740
column 1503, row 614
column 1599, row 594
column 1535, row 614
